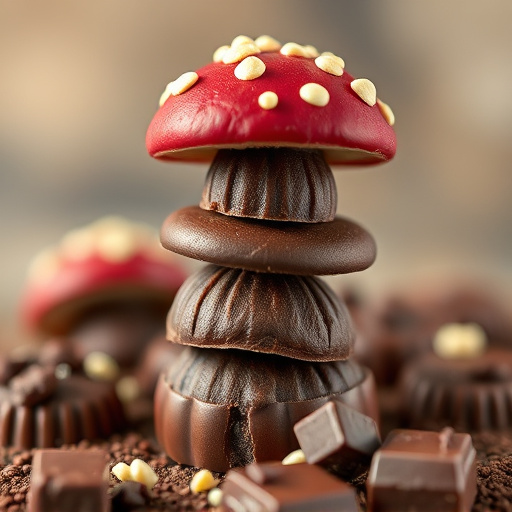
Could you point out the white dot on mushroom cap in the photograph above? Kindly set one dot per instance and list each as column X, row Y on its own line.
column 334, row 56
column 267, row 44
column 294, row 50
column 238, row 40
column 250, row 68
column 329, row 65
column 311, row 51
column 180, row 85
column 315, row 94
column 219, row 53
column 239, row 53
column 44, row 265
column 365, row 90
column 386, row 112
column 268, row 100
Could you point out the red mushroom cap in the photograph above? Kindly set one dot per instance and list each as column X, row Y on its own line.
column 111, row 259
column 216, row 109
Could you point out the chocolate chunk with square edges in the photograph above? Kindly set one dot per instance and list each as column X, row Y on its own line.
column 336, row 434
column 297, row 487
column 69, row 481
column 423, row 471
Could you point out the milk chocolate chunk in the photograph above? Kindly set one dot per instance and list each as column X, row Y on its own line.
column 69, row 481
column 336, row 434
column 33, row 385
column 219, row 409
column 423, row 471
column 219, row 307
column 286, row 184
column 297, row 487
column 469, row 394
column 325, row 248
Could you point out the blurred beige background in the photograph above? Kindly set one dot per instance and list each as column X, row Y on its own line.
column 80, row 81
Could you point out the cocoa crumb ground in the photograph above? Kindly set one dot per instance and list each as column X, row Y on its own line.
column 172, row 491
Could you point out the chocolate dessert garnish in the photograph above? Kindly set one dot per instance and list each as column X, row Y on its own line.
column 294, row 487
column 423, row 470
column 219, row 307
column 33, row 385
column 69, row 480
column 276, row 184
column 336, row 434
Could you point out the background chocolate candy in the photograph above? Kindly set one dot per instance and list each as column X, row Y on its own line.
column 287, row 184
column 298, row 487
column 470, row 394
column 325, row 248
column 423, row 471
column 224, row 408
column 219, row 307
column 69, row 480
column 340, row 435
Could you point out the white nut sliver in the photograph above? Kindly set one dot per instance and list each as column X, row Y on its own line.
column 203, row 481
column 334, row 56
column 239, row 53
column 122, row 471
column 215, row 497
column 386, row 112
column 295, row 457
column 219, row 53
column 250, row 68
column 268, row 100
column 314, row 94
column 365, row 89
column 100, row 366
column 143, row 473
column 459, row 341
column 267, row 44
column 295, row 50
column 238, row 40
column 329, row 65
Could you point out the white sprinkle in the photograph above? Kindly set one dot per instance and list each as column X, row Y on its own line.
column 127, row 389
column 330, row 54
column 203, row 481
column 180, row 85
column 315, row 94
column 250, row 68
column 239, row 53
column 238, row 40
column 215, row 497
column 295, row 457
column 329, row 65
column 219, row 53
column 143, row 473
column 365, row 90
column 459, row 341
column 267, row 44
column 62, row 371
column 294, row 50
column 101, row 366
column 268, row 100
column 386, row 112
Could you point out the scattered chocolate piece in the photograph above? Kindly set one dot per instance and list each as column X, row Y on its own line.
column 273, row 487
column 69, row 480
column 128, row 496
column 33, row 385
column 336, row 434
column 423, row 471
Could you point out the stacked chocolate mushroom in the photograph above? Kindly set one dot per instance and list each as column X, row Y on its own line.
column 269, row 341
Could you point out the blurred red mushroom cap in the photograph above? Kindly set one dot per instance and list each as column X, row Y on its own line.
column 111, row 259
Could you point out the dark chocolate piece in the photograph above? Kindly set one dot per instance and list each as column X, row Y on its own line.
column 292, row 316
column 297, row 487
column 336, row 434
column 286, row 184
column 78, row 409
column 129, row 496
column 326, row 248
column 33, row 385
column 219, row 409
column 69, row 481
column 470, row 394
column 10, row 367
column 423, row 471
